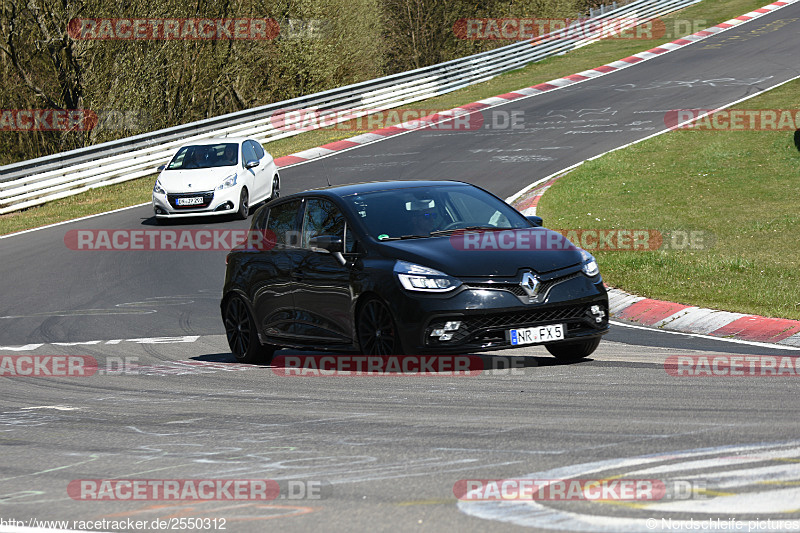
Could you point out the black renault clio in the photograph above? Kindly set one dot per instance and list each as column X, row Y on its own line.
column 408, row 267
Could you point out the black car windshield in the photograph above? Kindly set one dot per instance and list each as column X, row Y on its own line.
column 432, row 210
column 205, row 156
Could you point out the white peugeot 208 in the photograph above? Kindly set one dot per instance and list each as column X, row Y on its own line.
column 213, row 177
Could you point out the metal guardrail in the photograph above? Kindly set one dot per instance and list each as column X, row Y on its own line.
column 36, row 181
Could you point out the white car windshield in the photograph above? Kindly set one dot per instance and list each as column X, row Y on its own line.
column 205, row 156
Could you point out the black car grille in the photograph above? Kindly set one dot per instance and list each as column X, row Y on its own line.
column 517, row 290
column 526, row 318
column 208, row 197
column 491, row 327
column 514, row 288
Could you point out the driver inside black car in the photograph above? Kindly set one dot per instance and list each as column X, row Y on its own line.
column 424, row 218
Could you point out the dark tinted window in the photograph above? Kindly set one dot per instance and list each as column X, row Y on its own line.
column 257, row 147
column 349, row 241
column 422, row 210
column 282, row 222
column 205, row 156
column 321, row 218
column 465, row 206
column 260, row 219
column 248, row 154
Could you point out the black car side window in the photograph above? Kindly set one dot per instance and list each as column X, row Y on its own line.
column 283, row 223
column 321, row 218
column 260, row 220
column 350, row 242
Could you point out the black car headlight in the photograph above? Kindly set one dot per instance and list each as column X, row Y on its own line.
column 589, row 266
column 158, row 189
column 419, row 278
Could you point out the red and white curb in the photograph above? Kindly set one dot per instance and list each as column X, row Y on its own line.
column 417, row 124
column 690, row 319
column 528, row 203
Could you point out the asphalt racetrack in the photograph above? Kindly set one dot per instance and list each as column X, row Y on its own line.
column 385, row 452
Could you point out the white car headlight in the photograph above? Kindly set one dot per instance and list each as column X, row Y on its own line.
column 419, row 278
column 589, row 267
column 158, row 189
column 230, row 181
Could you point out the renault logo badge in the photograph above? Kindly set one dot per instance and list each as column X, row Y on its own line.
column 530, row 284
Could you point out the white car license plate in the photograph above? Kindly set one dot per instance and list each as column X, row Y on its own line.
column 196, row 200
column 553, row 332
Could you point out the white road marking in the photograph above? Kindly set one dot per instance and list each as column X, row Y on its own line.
column 56, row 407
column 765, row 498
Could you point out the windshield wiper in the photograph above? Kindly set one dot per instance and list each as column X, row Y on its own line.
column 403, row 237
column 444, row 232
column 468, row 228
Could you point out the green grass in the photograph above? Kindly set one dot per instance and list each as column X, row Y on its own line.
column 740, row 187
column 708, row 13
column 88, row 203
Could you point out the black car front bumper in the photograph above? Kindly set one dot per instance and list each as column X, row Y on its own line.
column 487, row 312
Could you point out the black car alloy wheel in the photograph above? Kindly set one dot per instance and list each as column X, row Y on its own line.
column 377, row 334
column 242, row 336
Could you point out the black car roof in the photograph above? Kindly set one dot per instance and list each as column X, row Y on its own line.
column 375, row 186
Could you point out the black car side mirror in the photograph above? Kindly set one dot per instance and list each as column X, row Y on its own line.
column 161, row 167
column 536, row 221
column 329, row 243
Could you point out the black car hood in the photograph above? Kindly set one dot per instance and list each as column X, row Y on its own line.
column 491, row 253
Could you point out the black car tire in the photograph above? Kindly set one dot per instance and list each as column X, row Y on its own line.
column 573, row 351
column 276, row 188
column 376, row 329
column 240, row 329
column 244, row 207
